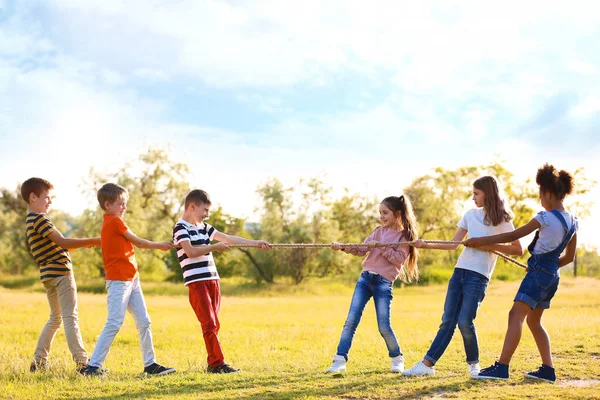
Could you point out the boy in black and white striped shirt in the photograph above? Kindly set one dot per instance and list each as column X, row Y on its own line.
column 200, row 275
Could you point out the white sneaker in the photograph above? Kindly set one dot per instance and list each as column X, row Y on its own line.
column 338, row 366
column 398, row 364
column 419, row 369
column 474, row 369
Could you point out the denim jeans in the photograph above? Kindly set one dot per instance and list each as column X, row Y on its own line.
column 381, row 290
column 466, row 291
column 124, row 296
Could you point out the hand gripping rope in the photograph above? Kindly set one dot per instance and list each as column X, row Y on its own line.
column 327, row 245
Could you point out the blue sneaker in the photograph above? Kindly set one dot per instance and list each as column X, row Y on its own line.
column 544, row 373
column 496, row 371
column 93, row 371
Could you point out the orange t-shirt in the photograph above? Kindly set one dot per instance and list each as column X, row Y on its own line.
column 117, row 252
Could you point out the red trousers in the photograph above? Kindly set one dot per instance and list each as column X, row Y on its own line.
column 205, row 298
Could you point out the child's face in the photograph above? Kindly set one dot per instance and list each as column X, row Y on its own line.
column 40, row 204
column 117, row 207
column 200, row 211
column 387, row 217
column 478, row 197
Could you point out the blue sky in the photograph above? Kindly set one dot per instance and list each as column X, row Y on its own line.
column 366, row 95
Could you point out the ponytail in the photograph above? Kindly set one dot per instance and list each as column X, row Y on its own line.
column 407, row 223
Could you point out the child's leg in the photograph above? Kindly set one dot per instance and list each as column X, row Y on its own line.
column 542, row 340
column 473, row 291
column 516, row 316
column 67, row 297
column 201, row 295
column 137, row 308
column 382, row 297
column 362, row 294
column 117, row 302
column 47, row 336
column 452, row 306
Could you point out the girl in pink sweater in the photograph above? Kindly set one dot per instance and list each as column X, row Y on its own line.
column 381, row 267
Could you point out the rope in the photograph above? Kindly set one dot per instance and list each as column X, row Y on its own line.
column 328, row 245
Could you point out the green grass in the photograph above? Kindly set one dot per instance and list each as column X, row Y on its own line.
column 284, row 342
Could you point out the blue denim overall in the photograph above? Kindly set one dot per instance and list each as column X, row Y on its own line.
column 541, row 282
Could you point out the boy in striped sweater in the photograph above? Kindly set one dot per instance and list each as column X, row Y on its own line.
column 192, row 235
column 50, row 250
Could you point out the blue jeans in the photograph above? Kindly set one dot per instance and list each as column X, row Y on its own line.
column 466, row 291
column 381, row 290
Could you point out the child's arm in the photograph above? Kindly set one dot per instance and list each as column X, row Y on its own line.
column 230, row 239
column 458, row 237
column 505, row 237
column 146, row 244
column 197, row 251
column 569, row 255
column 512, row 249
column 72, row 243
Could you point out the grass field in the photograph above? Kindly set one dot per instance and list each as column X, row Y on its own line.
column 283, row 343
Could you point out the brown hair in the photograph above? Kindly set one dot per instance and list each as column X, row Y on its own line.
column 407, row 223
column 35, row 186
column 494, row 208
column 197, row 197
column 560, row 183
column 110, row 192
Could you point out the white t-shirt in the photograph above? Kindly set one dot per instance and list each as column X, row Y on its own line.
column 552, row 231
column 476, row 260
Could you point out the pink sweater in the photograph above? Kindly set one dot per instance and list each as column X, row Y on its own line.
column 386, row 261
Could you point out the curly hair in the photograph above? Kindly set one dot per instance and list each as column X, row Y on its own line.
column 551, row 180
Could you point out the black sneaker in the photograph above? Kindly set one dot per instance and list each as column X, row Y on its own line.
column 79, row 368
column 157, row 369
column 496, row 371
column 41, row 365
column 222, row 369
column 544, row 373
column 93, row 371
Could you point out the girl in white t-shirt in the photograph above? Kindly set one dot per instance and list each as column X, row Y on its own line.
column 471, row 276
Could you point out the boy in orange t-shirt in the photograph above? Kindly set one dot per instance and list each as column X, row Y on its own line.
column 123, row 282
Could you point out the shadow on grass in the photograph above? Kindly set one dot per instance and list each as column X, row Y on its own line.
column 299, row 386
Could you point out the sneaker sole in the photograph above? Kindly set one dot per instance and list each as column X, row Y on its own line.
column 341, row 372
column 538, row 378
column 489, row 378
column 405, row 373
column 167, row 372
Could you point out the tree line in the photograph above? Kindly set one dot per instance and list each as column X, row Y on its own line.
column 303, row 213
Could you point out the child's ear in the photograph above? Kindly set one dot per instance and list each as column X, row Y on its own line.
column 32, row 197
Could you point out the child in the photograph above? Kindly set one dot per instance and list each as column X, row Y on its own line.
column 468, row 284
column 380, row 269
column 556, row 231
column 200, row 272
column 50, row 251
column 123, row 282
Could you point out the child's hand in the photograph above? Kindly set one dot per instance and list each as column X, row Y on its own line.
column 336, row 246
column 372, row 242
column 221, row 246
column 164, row 246
column 263, row 245
column 419, row 244
column 473, row 242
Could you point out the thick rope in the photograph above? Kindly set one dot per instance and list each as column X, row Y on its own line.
column 328, row 245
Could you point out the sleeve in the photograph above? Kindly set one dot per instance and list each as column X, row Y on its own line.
column 119, row 226
column 396, row 255
column 360, row 250
column 43, row 226
column 211, row 231
column 180, row 234
column 463, row 223
column 542, row 218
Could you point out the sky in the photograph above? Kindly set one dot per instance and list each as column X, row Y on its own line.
column 365, row 95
